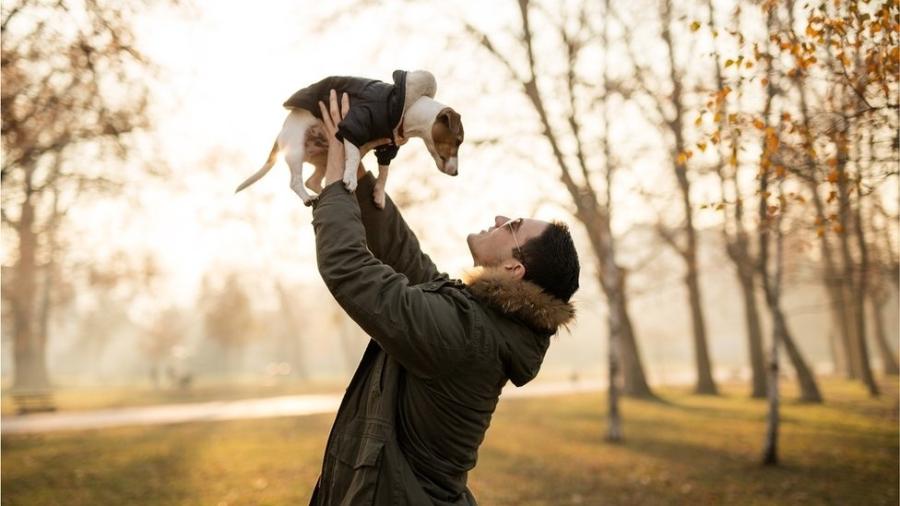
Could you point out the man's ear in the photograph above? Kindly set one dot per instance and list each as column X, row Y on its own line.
column 514, row 268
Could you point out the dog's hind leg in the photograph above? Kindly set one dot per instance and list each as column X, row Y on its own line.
column 292, row 137
column 351, row 162
column 294, row 159
column 316, row 149
column 378, row 191
column 314, row 182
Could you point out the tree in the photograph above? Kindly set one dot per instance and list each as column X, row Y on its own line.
column 68, row 88
column 666, row 90
column 166, row 331
column 884, row 263
column 850, row 147
column 292, row 337
column 734, row 232
column 773, row 130
column 577, row 172
column 228, row 316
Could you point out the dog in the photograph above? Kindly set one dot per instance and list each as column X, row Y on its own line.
column 377, row 110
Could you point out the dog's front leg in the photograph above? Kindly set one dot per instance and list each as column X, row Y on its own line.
column 378, row 191
column 351, row 162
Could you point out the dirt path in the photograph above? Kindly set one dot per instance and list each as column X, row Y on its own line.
column 293, row 405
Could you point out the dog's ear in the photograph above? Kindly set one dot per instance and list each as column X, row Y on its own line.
column 453, row 121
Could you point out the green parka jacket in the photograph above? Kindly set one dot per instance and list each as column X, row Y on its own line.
column 417, row 408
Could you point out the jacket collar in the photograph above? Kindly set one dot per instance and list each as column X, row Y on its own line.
column 524, row 300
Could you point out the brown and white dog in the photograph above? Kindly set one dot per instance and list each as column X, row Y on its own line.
column 302, row 139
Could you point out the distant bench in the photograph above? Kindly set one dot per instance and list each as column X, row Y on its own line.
column 33, row 401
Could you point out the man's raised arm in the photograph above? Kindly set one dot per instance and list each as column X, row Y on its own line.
column 389, row 238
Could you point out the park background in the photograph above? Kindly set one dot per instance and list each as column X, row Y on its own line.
column 132, row 275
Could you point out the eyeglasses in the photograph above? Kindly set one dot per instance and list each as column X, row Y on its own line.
column 513, row 225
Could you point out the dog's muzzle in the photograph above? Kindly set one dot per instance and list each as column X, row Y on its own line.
column 451, row 167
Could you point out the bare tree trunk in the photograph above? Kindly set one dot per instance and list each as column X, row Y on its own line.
column 834, row 288
column 888, row 358
column 809, row 390
column 736, row 243
column 754, row 336
column 854, row 285
column 29, row 356
column 705, row 383
column 862, row 292
column 770, row 447
column 611, row 270
column 614, row 431
column 770, row 288
column 295, row 344
column 634, row 381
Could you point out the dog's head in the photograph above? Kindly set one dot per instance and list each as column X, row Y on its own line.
column 440, row 128
column 446, row 136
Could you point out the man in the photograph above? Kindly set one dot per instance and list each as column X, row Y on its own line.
column 417, row 408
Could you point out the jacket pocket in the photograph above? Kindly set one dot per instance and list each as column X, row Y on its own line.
column 356, row 465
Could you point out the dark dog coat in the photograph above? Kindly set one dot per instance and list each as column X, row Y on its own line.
column 376, row 109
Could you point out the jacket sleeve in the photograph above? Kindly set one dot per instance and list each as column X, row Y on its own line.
column 356, row 126
column 423, row 329
column 390, row 238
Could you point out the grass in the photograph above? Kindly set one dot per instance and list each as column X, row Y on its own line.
column 684, row 449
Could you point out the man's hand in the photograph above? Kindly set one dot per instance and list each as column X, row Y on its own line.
column 331, row 116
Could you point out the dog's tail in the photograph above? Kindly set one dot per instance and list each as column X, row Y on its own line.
column 273, row 157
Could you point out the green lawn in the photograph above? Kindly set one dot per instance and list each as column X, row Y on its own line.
column 684, row 449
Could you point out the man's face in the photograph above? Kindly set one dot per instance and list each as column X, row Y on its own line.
column 494, row 245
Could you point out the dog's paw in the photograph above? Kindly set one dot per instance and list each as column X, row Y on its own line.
column 309, row 201
column 302, row 193
column 350, row 182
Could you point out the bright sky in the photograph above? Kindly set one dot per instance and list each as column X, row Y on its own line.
column 226, row 72
column 227, row 68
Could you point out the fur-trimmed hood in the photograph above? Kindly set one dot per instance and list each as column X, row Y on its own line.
column 525, row 300
column 539, row 315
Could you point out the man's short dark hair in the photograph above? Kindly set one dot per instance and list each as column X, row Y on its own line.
column 551, row 261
